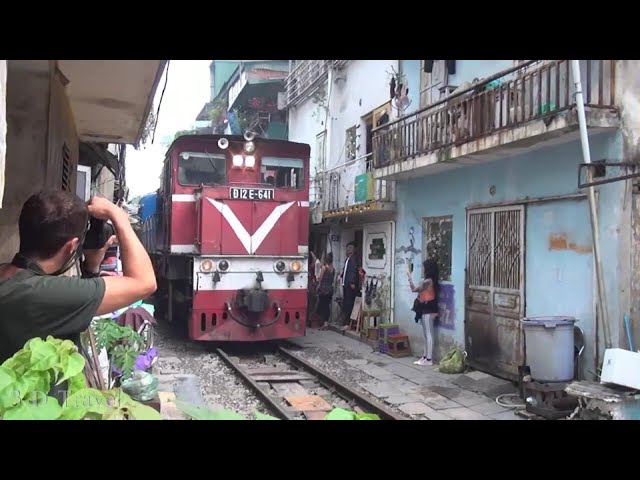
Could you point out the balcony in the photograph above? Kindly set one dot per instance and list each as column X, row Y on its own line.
column 512, row 112
column 306, row 77
column 351, row 191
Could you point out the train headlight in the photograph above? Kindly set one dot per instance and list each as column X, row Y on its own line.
column 250, row 161
column 206, row 265
column 280, row 266
column 237, row 160
column 249, row 147
column 296, row 266
column 223, row 265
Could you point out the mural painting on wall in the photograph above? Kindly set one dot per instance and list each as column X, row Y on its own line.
column 446, row 304
column 408, row 255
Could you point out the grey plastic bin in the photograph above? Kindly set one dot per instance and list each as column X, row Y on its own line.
column 549, row 345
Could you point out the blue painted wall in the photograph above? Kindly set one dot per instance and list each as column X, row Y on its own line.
column 221, row 71
column 564, row 283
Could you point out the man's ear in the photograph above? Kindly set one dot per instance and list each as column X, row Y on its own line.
column 71, row 246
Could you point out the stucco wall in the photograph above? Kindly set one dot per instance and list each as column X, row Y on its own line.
column 34, row 152
column 628, row 100
column 365, row 87
column 547, row 172
column 306, row 122
column 27, row 120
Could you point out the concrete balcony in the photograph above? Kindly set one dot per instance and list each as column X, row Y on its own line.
column 352, row 192
column 513, row 112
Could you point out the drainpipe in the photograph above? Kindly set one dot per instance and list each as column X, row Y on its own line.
column 602, row 310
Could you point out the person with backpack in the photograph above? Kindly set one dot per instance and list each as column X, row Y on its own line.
column 426, row 306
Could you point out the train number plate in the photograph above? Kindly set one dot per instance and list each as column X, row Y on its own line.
column 251, row 193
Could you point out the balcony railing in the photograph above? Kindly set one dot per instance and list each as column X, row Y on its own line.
column 306, row 77
column 335, row 189
column 534, row 90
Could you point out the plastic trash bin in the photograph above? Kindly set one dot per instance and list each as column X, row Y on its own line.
column 549, row 345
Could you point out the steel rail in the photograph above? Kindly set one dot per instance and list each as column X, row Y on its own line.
column 272, row 402
column 344, row 390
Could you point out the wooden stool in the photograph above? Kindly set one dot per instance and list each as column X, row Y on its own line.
column 399, row 345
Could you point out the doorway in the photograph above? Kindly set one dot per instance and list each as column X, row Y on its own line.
column 495, row 289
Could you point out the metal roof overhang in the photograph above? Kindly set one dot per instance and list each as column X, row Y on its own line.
column 367, row 212
column 111, row 99
column 267, row 89
column 92, row 154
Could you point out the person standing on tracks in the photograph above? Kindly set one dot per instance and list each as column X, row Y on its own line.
column 350, row 281
column 426, row 306
column 325, row 289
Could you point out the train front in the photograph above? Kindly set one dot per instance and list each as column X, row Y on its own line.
column 250, row 279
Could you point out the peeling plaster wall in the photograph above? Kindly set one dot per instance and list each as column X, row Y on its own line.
column 27, row 123
column 628, row 99
column 36, row 98
column 3, row 123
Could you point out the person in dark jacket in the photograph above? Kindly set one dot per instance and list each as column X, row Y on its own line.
column 426, row 306
column 350, row 281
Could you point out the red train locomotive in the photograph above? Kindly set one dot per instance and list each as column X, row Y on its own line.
column 229, row 237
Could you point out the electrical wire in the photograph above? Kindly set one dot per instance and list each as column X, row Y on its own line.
column 166, row 80
column 515, row 406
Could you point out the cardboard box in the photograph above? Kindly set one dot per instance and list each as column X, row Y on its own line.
column 621, row 367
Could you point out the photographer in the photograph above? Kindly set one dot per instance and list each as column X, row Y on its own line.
column 36, row 300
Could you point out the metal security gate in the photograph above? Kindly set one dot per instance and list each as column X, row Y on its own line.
column 495, row 289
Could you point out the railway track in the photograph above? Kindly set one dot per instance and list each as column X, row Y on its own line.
column 294, row 389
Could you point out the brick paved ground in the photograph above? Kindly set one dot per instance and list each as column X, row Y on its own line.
column 422, row 393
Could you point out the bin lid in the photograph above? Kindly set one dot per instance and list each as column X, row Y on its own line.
column 548, row 322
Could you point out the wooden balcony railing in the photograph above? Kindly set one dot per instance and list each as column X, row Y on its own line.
column 533, row 90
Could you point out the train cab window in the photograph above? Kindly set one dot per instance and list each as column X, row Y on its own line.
column 197, row 168
column 282, row 172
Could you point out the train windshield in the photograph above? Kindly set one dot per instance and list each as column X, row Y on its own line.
column 197, row 168
column 282, row 172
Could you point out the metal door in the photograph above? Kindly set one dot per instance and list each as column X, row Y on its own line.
column 495, row 289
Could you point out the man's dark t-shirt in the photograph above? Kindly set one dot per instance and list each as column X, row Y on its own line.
column 39, row 306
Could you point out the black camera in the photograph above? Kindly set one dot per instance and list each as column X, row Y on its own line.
column 99, row 232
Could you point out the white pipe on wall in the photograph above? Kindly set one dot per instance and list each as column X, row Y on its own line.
column 602, row 309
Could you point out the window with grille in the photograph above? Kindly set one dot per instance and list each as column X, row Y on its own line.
column 350, row 144
column 66, row 168
column 437, row 241
column 321, row 151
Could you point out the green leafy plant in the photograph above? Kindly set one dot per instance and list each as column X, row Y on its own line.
column 114, row 404
column 342, row 414
column 197, row 412
column 27, row 378
column 122, row 343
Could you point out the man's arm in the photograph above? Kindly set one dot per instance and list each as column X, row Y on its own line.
column 138, row 281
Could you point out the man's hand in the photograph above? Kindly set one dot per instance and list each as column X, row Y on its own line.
column 102, row 209
column 353, row 286
column 93, row 258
